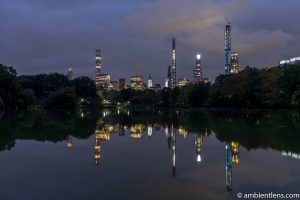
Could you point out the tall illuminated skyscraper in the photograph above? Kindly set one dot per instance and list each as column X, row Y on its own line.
column 173, row 66
column 228, row 48
column 234, row 63
column 98, row 62
column 198, row 72
column 150, row 82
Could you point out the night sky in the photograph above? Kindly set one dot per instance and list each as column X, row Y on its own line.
column 42, row 36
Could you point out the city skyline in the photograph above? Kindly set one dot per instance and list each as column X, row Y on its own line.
column 136, row 42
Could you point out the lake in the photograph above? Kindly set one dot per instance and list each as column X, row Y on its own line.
column 148, row 154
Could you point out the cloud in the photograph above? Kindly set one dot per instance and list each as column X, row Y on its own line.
column 42, row 36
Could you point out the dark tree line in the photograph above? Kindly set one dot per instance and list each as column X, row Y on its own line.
column 52, row 91
column 277, row 87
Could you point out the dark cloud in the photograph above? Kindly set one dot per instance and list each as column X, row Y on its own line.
column 44, row 36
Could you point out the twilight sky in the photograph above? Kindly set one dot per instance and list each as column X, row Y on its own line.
column 42, row 36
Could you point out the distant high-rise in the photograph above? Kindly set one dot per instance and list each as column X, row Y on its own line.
column 168, row 79
column 173, row 66
column 98, row 62
column 122, row 83
column 70, row 73
column 228, row 48
column 234, row 63
column 183, row 82
column 137, row 82
column 198, row 72
column 149, row 82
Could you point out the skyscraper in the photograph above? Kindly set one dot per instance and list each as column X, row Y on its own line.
column 198, row 73
column 173, row 67
column 228, row 48
column 234, row 63
column 137, row 82
column 98, row 62
column 168, row 79
column 149, row 82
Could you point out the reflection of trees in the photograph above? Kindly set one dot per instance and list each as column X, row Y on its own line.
column 276, row 130
column 40, row 126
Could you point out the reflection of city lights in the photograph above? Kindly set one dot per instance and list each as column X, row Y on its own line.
column 235, row 152
column 149, row 131
column 69, row 142
column 183, row 132
column 137, row 130
column 290, row 154
column 199, row 158
column 82, row 115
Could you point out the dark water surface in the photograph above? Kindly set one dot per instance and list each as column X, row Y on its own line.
column 148, row 154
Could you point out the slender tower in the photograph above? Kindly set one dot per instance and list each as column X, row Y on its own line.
column 173, row 67
column 98, row 62
column 198, row 73
column 228, row 48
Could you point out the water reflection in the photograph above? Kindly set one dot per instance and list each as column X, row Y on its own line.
column 234, row 129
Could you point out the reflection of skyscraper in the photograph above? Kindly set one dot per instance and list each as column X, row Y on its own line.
column 182, row 131
column 69, row 141
column 168, row 135
column 228, row 166
column 150, row 129
column 136, row 131
column 173, row 144
column 235, row 152
column 198, row 146
column 97, row 148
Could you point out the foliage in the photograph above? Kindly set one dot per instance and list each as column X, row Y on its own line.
column 276, row 87
column 20, row 92
column 64, row 98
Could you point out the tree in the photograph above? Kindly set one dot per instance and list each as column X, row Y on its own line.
column 64, row 98
column 85, row 87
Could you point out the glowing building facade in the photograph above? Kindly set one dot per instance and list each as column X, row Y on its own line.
column 292, row 61
column 173, row 66
column 198, row 72
column 102, row 82
column 228, row 49
column 150, row 85
column 168, row 79
column 137, row 82
column 234, row 63
column 183, row 82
